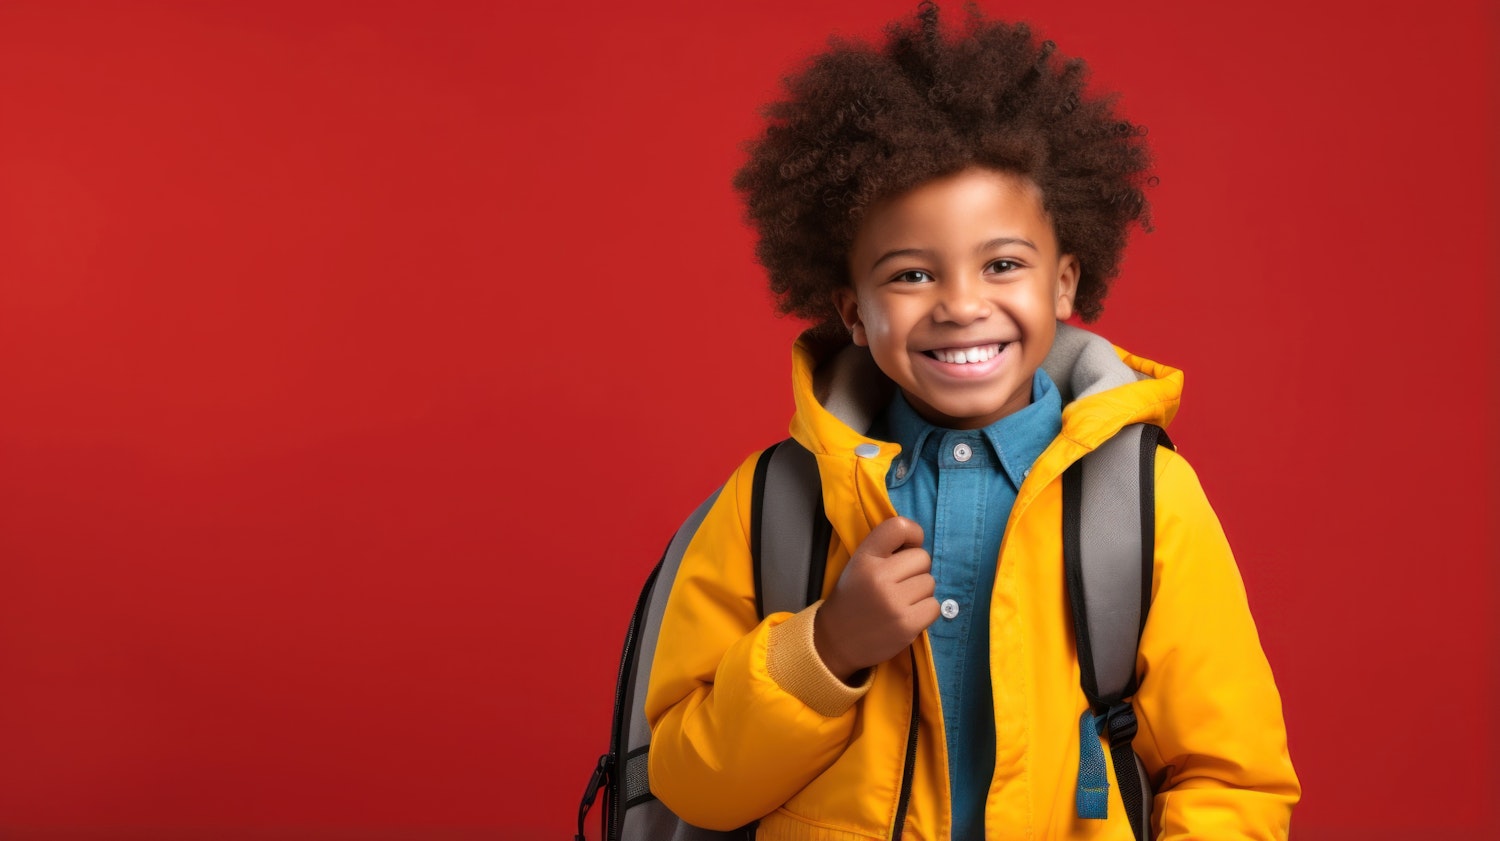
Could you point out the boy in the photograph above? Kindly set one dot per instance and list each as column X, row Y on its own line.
column 937, row 206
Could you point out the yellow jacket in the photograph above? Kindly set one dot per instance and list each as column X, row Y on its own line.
column 748, row 725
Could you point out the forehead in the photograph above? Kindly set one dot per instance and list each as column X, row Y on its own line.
column 972, row 206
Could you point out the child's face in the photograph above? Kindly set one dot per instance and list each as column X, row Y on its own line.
column 957, row 288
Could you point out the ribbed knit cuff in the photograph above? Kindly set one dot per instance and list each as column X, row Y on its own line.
column 793, row 662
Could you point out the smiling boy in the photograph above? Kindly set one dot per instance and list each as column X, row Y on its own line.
column 956, row 288
column 937, row 206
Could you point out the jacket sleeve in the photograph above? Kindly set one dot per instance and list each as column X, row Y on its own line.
column 1209, row 710
column 743, row 714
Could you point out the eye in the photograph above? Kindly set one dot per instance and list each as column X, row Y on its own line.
column 1003, row 265
column 913, row 276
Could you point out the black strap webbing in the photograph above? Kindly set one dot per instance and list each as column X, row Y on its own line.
column 1134, row 794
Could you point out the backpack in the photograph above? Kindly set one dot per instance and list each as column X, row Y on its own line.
column 1108, row 556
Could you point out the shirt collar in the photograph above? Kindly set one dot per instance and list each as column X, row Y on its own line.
column 1017, row 439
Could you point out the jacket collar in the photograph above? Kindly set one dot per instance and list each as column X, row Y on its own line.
column 839, row 391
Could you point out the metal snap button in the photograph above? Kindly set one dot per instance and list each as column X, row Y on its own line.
column 962, row 452
column 949, row 608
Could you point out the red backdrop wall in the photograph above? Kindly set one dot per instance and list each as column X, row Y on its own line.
column 358, row 359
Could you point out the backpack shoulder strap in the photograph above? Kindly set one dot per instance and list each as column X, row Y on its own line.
column 789, row 533
column 789, row 538
column 1109, row 553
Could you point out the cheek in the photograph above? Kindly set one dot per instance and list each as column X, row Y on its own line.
column 884, row 329
column 1039, row 304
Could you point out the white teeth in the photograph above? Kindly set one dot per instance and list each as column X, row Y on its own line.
column 964, row 356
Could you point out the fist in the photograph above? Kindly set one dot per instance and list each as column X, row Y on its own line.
column 883, row 600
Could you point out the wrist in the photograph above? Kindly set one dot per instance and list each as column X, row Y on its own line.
column 793, row 662
column 827, row 651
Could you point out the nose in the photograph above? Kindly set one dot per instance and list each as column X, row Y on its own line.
column 962, row 301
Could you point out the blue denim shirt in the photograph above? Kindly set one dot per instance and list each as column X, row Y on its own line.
column 959, row 485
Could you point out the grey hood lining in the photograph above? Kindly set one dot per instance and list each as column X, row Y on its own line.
column 1083, row 363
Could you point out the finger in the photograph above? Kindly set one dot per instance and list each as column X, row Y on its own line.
column 907, row 563
column 916, row 589
column 927, row 612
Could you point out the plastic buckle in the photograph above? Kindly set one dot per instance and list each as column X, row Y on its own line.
column 596, row 781
column 1120, row 722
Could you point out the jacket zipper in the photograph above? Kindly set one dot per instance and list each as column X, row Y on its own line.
column 909, row 769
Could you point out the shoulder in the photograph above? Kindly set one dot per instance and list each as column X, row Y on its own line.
column 1179, row 492
column 1192, row 551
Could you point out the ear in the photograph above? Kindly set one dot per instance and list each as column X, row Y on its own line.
column 1067, row 285
column 846, row 301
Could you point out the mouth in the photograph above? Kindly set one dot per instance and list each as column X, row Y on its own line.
column 967, row 355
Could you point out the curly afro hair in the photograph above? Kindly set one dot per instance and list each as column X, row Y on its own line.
column 863, row 122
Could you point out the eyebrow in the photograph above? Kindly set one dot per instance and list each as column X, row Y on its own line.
column 997, row 242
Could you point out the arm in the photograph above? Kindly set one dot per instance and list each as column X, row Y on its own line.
column 1211, row 723
column 743, row 713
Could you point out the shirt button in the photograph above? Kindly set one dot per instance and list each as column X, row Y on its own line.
column 866, row 450
column 962, row 452
column 949, row 608
column 900, row 470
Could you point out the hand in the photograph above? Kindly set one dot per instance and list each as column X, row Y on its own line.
column 883, row 600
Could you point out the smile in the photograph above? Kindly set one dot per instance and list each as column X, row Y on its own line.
column 968, row 355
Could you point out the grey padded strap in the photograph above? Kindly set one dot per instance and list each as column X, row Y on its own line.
column 1110, row 542
column 640, row 731
column 789, row 511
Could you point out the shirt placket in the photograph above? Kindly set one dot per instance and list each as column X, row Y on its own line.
column 963, row 464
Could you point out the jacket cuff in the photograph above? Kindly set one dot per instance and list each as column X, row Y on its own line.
column 792, row 661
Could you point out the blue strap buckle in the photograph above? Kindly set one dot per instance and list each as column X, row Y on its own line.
column 1092, row 794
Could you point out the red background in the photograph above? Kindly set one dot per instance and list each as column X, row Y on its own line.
column 357, row 360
